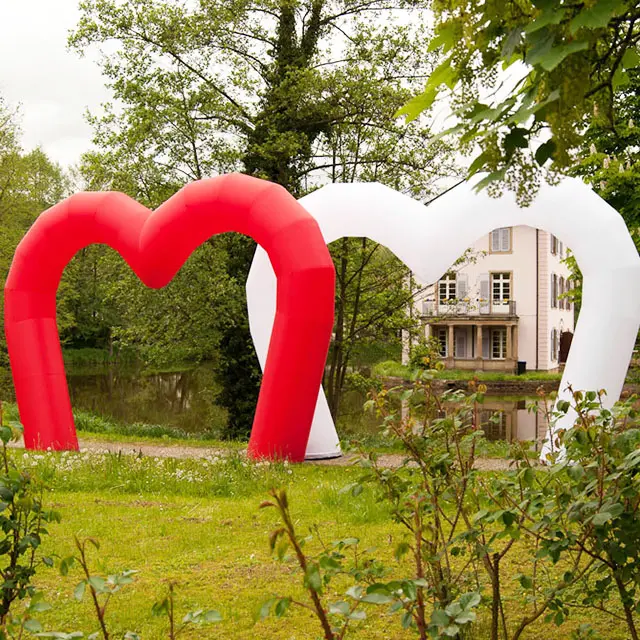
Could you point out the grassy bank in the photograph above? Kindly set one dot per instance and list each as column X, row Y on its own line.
column 197, row 523
column 97, row 427
column 393, row 369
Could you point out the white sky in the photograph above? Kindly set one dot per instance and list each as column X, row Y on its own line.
column 53, row 85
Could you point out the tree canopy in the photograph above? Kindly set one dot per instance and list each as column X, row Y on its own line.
column 526, row 78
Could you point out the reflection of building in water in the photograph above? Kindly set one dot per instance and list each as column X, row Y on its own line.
column 512, row 421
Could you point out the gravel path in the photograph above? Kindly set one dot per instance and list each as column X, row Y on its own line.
column 391, row 460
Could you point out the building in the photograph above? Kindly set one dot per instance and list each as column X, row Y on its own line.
column 502, row 304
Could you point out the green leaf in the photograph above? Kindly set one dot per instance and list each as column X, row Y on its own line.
column 517, row 138
column 33, row 626
column 359, row 614
column 312, row 578
column 339, row 608
column 547, row 17
column 469, row 600
column 281, row 606
column 265, row 609
column 478, row 163
column 439, row 618
column 465, row 617
column 407, row 619
column 401, row 549
column 596, row 16
column 620, row 78
column 78, row 592
column 550, row 60
column 540, row 44
column 98, row 583
column 526, row 582
column 377, row 598
column 417, row 105
column 444, row 38
column 513, row 40
column 630, row 59
column 354, row 592
column 545, row 151
column 444, row 73
column 601, row 518
column 487, row 180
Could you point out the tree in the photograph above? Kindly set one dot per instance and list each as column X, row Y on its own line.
column 610, row 157
column 29, row 184
column 518, row 73
column 278, row 90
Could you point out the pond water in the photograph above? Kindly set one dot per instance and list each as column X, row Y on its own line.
column 186, row 399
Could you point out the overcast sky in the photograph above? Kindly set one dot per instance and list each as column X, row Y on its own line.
column 53, row 85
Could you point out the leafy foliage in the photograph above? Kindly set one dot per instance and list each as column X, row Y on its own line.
column 524, row 78
column 298, row 93
column 23, row 522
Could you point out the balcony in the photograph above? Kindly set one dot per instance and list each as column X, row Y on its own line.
column 468, row 309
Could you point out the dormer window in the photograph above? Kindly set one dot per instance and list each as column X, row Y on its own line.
column 501, row 240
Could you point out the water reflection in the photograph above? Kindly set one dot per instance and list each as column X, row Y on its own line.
column 187, row 400
column 512, row 421
column 182, row 399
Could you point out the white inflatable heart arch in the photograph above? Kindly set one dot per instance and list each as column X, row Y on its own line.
column 428, row 239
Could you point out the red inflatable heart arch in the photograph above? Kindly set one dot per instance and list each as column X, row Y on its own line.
column 156, row 245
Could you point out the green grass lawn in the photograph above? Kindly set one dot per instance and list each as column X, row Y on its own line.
column 391, row 368
column 197, row 523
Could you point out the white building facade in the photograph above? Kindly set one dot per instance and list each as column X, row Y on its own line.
column 502, row 304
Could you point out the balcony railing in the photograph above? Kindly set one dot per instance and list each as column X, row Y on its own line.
column 468, row 308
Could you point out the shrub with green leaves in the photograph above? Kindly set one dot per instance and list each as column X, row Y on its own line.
column 23, row 521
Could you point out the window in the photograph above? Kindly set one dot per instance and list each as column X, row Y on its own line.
column 500, row 288
column 494, row 424
column 501, row 240
column 554, row 345
column 561, row 292
column 554, row 291
column 447, row 288
column 498, row 344
column 557, row 248
column 441, row 334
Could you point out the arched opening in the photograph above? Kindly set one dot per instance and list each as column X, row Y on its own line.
column 429, row 239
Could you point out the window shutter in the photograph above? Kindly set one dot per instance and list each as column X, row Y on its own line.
column 461, row 344
column 560, row 248
column 484, row 293
column 505, row 239
column 495, row 240
column 486, row 343
column 461, row 286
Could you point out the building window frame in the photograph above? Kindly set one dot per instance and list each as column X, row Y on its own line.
column 554, row 291
column 554, row 345
column 501, row 240
column 441, row 336
column 504, row 281
column 447, row 288
column 498, row 343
